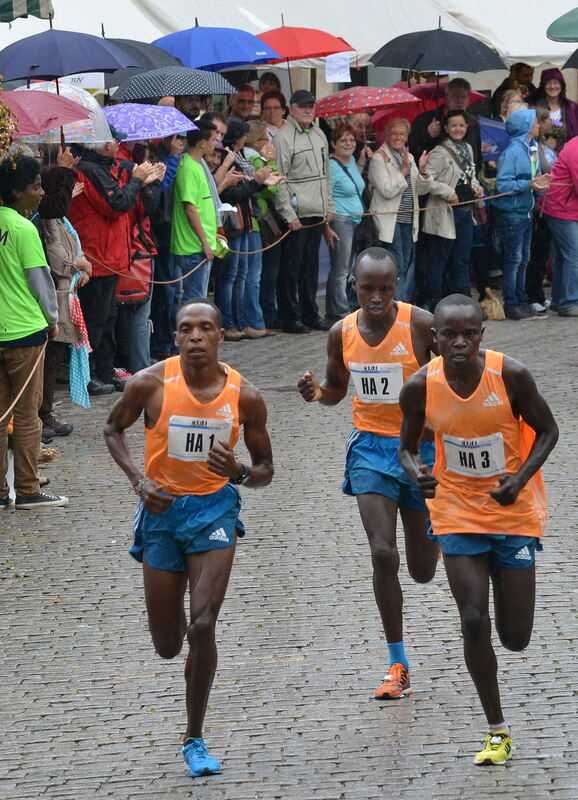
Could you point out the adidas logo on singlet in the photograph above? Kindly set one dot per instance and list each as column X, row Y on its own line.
column 492, row 400
column 219, row 535
column 225, row 411
column 523, row 554
column 400, row 350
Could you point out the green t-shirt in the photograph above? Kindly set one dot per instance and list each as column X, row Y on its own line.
column 20, row 249
column 191, row 186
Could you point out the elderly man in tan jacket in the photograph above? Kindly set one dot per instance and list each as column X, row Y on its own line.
column 396, row 181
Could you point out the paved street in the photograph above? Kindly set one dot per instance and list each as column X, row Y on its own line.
column 88, row 711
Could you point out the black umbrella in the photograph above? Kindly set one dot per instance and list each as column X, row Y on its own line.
column 173, row 81
column 437, row 50
column 572, row 62
column 149, row 56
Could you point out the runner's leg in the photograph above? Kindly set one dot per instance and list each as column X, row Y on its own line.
column 208, row 579
column 379, row 517
column 514, row 598
column 469, row 579
column 164, row 595
column 421, row 552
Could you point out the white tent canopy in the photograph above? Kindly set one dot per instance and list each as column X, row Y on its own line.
column 515, row 29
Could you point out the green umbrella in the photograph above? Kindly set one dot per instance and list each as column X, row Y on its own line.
column 565, row 28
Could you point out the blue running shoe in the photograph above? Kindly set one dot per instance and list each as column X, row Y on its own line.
column 198, row 758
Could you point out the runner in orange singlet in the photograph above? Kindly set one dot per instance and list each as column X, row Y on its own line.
column 187, row 521
column 381, row 346
column 486, row 498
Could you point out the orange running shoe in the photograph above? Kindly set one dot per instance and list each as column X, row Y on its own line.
column 396, row 684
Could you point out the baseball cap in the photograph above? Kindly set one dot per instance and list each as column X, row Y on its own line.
column 301, row 97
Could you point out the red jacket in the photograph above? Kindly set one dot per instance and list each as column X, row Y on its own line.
column 561, row 199
column 100, row 213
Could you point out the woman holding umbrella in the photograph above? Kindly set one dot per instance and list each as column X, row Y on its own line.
column 396, row 182
column 452, row 173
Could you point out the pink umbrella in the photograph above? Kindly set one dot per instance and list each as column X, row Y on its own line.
column 38, row 112
column 362, row 99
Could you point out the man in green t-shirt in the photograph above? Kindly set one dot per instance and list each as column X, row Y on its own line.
column 28, row 317
column 194, row 222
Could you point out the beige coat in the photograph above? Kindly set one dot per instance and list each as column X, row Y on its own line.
column 387, row 187
column 62, row 256
column 444, row 177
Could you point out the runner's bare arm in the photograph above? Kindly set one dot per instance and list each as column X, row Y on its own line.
column 412, row 401
column 334, row 388
column 123, row 414
column 253, row 418
column 528, row 403
column 422, row 336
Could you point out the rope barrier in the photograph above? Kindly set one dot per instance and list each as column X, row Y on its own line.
column 487, row 199
column 24, row 385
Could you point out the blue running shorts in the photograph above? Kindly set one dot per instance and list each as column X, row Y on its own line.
column 506, row 550
column 192, row 524
column 372, row 466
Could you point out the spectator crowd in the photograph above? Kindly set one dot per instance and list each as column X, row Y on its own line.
column 101, row 243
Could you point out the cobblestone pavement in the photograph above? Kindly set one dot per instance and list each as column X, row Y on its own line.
column 88, row 710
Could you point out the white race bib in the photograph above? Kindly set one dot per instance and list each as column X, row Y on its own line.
column 190, row 438
column 377, row 383
column 476, row 458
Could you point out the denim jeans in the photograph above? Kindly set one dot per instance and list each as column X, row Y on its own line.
column 336, row 303
column 197, row 284
column 452, row 253
column 517, row 238
column 248, row 284
column 225, row 281
column 565, row 274
column 403, row 250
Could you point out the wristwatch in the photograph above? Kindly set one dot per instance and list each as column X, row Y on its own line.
column 242, row 477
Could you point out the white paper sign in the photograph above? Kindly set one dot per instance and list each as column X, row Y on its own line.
column 337, row 68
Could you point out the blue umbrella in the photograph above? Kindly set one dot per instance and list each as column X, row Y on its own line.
column 53, row 54
column 494, row 138
column 216, row 48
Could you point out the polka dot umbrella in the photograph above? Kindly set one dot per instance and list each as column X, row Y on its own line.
column 361, row 99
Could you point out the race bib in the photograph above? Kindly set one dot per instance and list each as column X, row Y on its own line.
column 476, row 458
column 190, row 439
column 377, row 383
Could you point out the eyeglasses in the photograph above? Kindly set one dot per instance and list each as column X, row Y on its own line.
column 272, row 108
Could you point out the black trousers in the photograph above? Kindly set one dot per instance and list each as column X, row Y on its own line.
column 536, row 269
column 99, row 308
column 299, row 274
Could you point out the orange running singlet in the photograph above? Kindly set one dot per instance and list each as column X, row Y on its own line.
column 379, row 372
column 477, row 440
column 176, row 449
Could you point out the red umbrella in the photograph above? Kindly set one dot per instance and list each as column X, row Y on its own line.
column 38, row 112
column 296, row 43
column 430, row 95
column 360, row 99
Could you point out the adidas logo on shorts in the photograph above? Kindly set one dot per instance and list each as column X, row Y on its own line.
column 220, row 535
column 400, row 350
column 225, row 411
column 492, row 400
column 523, row 554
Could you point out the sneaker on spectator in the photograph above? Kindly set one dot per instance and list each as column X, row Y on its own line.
column 5, row 502
column 539, row 308
column 514, row 312
column 233, row 335
column 529, row 312
column 39, row 501
column 254, row 333
column 121, row 373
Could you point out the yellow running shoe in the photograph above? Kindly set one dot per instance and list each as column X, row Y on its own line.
column 396, row 684
column 498, row 749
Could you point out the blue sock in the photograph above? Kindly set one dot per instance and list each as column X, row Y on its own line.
column 397, row 654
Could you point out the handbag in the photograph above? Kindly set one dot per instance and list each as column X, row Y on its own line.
column 366, row 232
column 233, row 224
column 270, row 228
column 479, row 212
